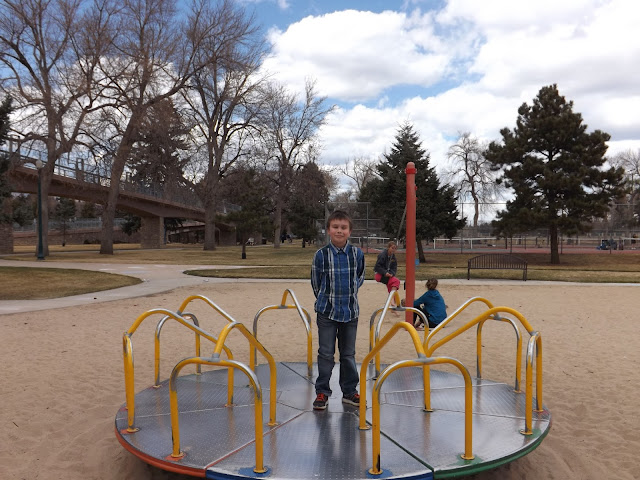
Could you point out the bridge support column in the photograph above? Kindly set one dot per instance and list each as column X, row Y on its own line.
column 6, row 238
column 152, row 232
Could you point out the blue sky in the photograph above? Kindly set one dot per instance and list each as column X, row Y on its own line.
column 454, row 66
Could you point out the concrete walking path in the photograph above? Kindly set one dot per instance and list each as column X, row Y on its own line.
column 159, row 278
column 155, row 278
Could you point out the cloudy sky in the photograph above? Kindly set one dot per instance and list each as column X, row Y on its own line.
column 455, row 66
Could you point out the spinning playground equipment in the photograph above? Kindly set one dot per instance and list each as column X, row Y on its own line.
column 425, row 423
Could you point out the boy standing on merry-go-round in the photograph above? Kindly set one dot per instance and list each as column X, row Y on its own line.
column 337, row 272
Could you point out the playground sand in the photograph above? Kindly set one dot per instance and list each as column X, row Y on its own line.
column 62, row 377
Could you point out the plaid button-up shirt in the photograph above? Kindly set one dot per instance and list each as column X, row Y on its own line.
column 336, row 276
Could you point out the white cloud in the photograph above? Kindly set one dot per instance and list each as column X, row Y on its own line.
column 282, row 4
column 471, row 64
column 506, row 15
column 357, row 55
column 581, row 54
column 588, row 48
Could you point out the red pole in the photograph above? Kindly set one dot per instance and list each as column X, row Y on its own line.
column 410, row 282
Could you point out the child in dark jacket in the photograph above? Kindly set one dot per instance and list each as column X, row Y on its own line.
column 432, row 304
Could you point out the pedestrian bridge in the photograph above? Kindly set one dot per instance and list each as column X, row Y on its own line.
column 151, row 203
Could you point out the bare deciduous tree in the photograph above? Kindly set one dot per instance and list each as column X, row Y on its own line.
column 288, row 132
column 630, row 161
column 50, row 52
column 471, row 174
column 154, row 57
column 223, row 99
column 361, row 171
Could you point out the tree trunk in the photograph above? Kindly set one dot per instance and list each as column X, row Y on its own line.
column 119, row 161
column 6, row 238
column 553, row 241
column 421, row 256
column 476, row 207
column 476, row 216
column 46, row 176
column 44, row 194
column 209, row 198
column 108, row 215
column 277, row 223
column 210, row 224
column 45, row 179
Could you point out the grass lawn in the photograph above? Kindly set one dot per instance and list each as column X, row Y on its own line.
column 290, row 261
column 24, row 283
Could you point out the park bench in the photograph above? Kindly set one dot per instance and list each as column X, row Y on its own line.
column 497, row 261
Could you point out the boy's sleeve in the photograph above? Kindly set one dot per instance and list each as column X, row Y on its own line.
column 316, row 272
column 393, row 268
column 379, row 267
column 360, row 268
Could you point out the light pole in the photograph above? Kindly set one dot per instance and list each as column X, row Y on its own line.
column 462, row 230
column 40, row 252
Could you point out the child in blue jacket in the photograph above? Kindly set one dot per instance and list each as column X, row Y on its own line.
column 432, row 304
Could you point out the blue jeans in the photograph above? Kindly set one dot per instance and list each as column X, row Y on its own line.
column 345, row 333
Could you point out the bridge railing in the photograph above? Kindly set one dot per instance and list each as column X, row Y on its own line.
column 77, row 224
column 92, row 176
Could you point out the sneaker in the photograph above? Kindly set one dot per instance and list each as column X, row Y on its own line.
column 353, row 399
column 320, row 403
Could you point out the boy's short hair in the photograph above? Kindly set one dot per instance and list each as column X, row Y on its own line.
column 340, row 215
column 432, row 284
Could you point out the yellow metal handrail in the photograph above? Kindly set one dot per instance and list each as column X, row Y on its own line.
column 375, row 327
column 421, row 361
column 157, row 346
column 535, row 343
column 255, row 343
column 415, row 338
column 494, row 314
column 438, row 328
column 457, row 312
column 304, row 316
column 463, row 307
column 128, row 356
column 227, row 317
column 191, row 298
column 230, row 364
column 198, row 361
column 516, row 387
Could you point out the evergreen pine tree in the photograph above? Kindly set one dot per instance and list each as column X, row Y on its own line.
column 555, row 169
column 157, row 158
column 251, row 195
column 64, row 211
column 307, row 202
column 436, row 211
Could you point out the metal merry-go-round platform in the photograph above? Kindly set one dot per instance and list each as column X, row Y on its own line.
column 219, row 440
column 210, row 424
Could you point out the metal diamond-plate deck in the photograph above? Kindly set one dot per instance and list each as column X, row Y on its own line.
column 219, row 440
column 321, row 445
